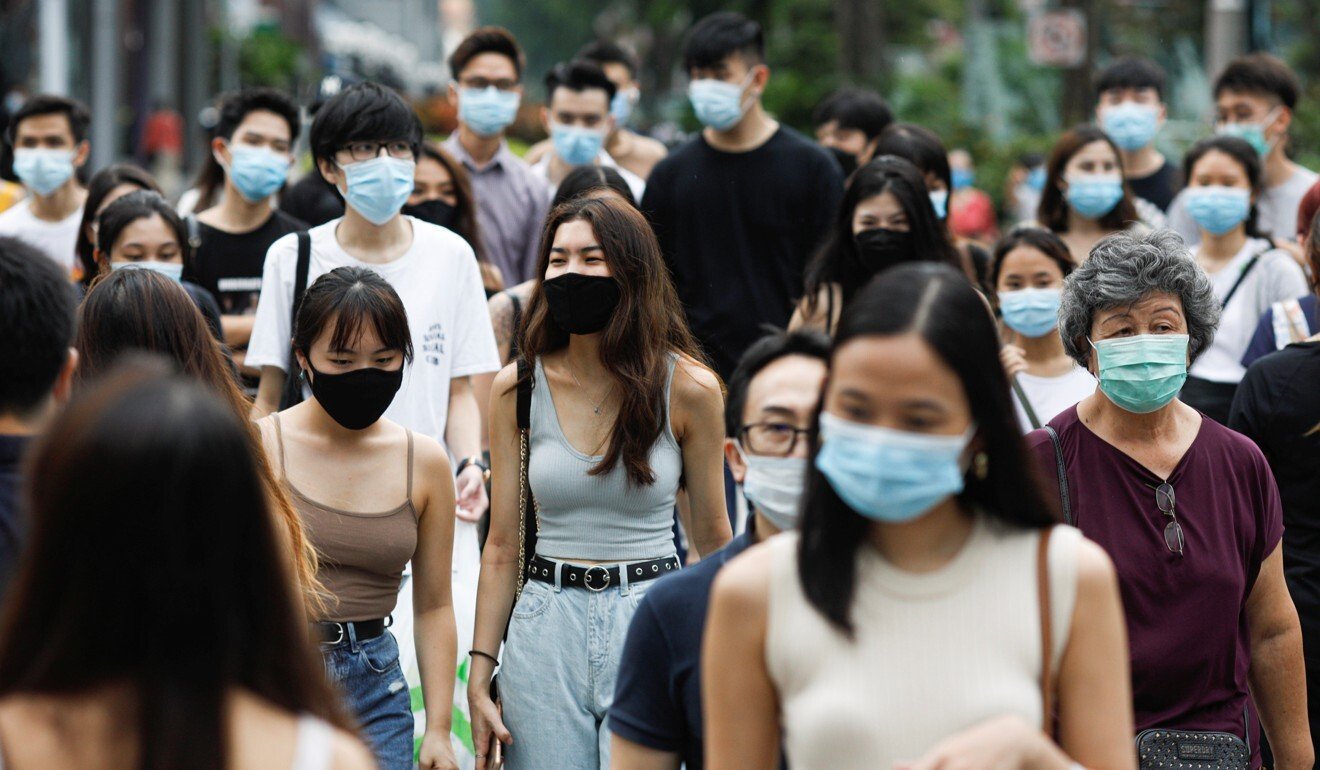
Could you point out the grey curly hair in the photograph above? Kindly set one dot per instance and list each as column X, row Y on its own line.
column 1122, row 270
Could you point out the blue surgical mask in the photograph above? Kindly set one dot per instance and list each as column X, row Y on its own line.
column 256, row 171
column 962, row 178
column 773, row 485
column 940, row 200
column 1131, row 125
column 575, row 145
column 1251, row 133
column 621, row 106
column 378, row 188
column 1036, row 178
column 1217, row 209
column 1141, row 374
column 487, row 111
column 1031, row 312
column 718, row 105
column 42, row 170
column 171, row 270
column 889, row 475
column 1094, row 195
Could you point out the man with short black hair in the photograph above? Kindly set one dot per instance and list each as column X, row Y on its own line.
column 48, row 136
column 1255, row 99
column 577, row 117
column 772, row 400
column 739, row 208
column 629, row 149
column 253, row 143
column 487, row 88
column 37, row 361
column 849, row 122
column 1129, row 107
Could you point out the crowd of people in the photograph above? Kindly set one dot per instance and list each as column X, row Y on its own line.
column 750, row 452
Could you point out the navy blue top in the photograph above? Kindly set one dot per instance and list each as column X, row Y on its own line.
column 1262, row 342
column 11, row 526
column 657, row 696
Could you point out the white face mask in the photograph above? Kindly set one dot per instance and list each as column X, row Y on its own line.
column 773, row 485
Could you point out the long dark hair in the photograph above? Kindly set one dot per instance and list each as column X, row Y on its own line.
column 153, row 561
column 102, row 184
column 1053, row 211
column 937, row 303
column 130, row 311
column 1246, row 157
column 837, row 261
column 466, row 206
column 635, row 346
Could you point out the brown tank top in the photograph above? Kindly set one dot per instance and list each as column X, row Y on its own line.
column 362, row 555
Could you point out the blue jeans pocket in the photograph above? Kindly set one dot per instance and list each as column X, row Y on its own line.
column 534, row 600
column 381, row 654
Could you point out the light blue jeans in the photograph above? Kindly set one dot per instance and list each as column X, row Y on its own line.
column 560, row 661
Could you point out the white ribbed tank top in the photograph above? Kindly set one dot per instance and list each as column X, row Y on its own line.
column 933, row 653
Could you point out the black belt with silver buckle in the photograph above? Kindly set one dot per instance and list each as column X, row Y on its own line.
column 598, row 577
column 333, row 632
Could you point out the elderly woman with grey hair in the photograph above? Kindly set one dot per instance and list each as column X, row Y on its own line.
column 1187, row 509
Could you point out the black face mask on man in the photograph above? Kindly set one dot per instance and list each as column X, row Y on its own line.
column 581, row 304
column 435, row 211
column 356, row 399
column 881, row 248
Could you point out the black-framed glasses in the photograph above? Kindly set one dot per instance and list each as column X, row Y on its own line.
column 771, row 438
column 1173, row 533
column 368, row 150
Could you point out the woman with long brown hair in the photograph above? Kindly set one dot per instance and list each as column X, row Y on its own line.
column 141, row 310
column 152, row 622
column 620, row 412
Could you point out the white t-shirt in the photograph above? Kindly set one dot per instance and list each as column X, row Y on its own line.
column 1276, row 209
column 1276, row 277
column 1051, row 395
column 541, row 169
column 57, row 240
column 438, row 281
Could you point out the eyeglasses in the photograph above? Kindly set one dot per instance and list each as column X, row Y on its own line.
column 368, row 150
column 771, row 438
column 481, row 84
column 1173, row 534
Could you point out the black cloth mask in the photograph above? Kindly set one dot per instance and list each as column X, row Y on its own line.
column 582, row 304
column 435, row 211
column 880, row 248
column 356, row 399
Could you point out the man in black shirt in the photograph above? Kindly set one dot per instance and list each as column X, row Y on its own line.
column 1129, row 106
column 1278, row 406
column 738, row 209
column 36, row 370
column 254, row 144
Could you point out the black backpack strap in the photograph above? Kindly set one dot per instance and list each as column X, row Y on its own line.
column 292, row 394
column 515, row 349
column 1062, row 471
column 524, row 397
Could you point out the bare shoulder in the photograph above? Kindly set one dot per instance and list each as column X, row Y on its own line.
column 1095, row 570
column 537, row 151
column 350, row 754
column 499, row 305
column 504, row 382
column 743, row 585
column 430, row 456
column 696, row 386
column 651, row 149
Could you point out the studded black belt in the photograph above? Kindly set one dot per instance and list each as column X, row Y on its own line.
column 598, row 577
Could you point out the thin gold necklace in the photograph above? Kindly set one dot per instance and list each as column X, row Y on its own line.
column 595, row 405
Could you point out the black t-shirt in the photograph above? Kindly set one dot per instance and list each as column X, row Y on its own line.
column 312, row 199
column 657, row 695
column 229, row 265
column 1278, row 406
column 737, row 229
column 1159, row 187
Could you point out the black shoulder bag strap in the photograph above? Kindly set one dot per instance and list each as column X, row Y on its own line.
column 515, row 349
column 1026, row 403
column 1242, row 276
column 1062, row 472
column 527, row 523
column 293, row 395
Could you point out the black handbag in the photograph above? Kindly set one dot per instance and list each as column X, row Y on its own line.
column 1158, row 748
